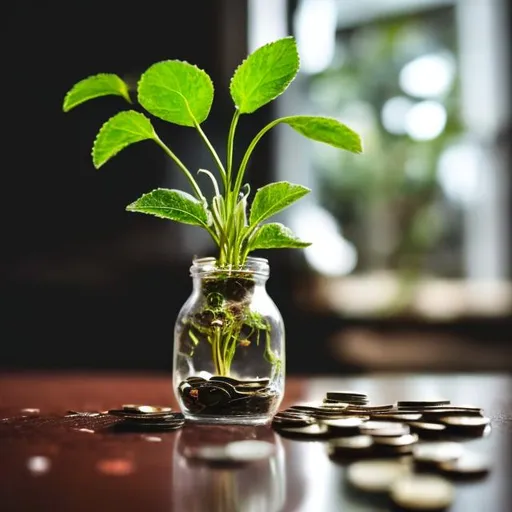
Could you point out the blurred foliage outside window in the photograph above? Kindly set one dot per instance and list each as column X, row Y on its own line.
column 401, row 204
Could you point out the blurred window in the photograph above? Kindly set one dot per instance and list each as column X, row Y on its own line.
column 419, row 222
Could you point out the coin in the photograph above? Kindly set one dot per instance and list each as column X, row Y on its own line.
column 384, row 428
column 430, row 455
column 221, row 378
column 281, row 420
column 150, row 426
column 338, row 395
column 195, row 380
column 375, row 475
column 464, row 421
column 403, row 440
column 348, row 426
column 350, row 397
column 389, row 446
column 250, row 450
column 422, row 492
column 318, row 406
column 355, row 446
column 146, row 409
column 427, row 430
column 435, row 413
column 369, row 408
column 143, row 417
column 469, row 466
column 311, row 431
column 400, row 417
column 422, row 403
column 212, row 395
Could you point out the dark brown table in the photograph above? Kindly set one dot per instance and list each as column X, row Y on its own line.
column 74, row 464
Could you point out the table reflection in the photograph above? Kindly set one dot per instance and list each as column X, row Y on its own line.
column 199, row 485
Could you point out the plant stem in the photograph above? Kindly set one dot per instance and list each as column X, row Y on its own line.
column 181, row 165
column 213, row 153
column 231, row 138
column 248, row 153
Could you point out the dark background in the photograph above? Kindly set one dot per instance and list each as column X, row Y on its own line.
column 85, row 284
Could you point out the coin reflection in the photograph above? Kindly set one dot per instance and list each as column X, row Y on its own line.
column 216, row 483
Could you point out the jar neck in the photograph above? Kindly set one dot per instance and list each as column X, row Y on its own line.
column 253, row 274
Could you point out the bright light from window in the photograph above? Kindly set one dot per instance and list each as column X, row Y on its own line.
column 429, row 76
column 266, row 22
column 425, row 120
column 329, row 253
column 458, row 173
column 315, row 30
column 394, row 114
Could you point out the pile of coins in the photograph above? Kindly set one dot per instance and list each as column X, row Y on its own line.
column 227, row 396
column 147, row 417
column 410, row 450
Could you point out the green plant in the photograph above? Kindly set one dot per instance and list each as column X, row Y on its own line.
column 180, row 93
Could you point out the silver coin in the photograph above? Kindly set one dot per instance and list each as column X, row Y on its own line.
column 384, row 428
column 436, row 452
column 311, row 431
column 153, row 426
column 316, row 406
column 146, row 409
column 470, row 465
column 369, row 408
column 396, row 416
column 250, row 450
column 354, row 446
column 142, row 417
column 422, row 492
column 435, row 413
column 424, row 429
column 376, row 475
column 292, row 414
column 228, row 380
column 338, row 395
column 403, row 440
column 422, row 403
column 292, row 421
column 464, row 421
column 348, row 425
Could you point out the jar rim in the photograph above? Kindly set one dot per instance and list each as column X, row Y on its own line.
column 208, row 265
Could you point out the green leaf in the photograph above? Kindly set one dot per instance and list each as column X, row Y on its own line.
column 177, row 92
column 276, row 236
column 118, row 132
column 327, row 130
column 171, row 204
column 273, row 198
column 264, row 75
column 104, row 84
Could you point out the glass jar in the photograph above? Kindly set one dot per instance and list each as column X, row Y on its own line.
column 229, row 350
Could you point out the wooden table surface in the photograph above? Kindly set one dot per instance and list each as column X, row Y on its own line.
column 74, row 465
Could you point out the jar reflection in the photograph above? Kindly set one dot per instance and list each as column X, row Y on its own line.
column 209, row 485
